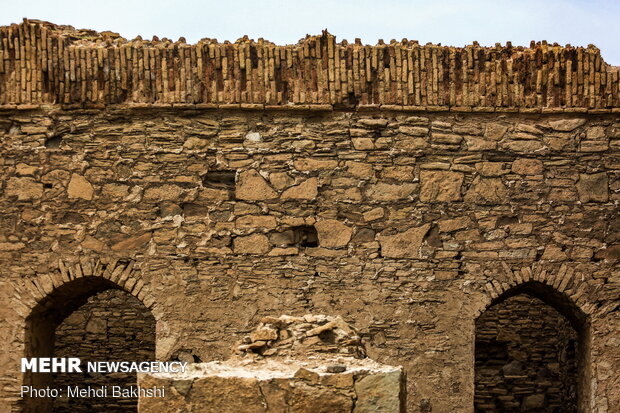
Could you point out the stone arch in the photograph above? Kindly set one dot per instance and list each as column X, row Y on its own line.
column 565, row 290
column 575, row 286
column 49, row 298
column 122, row 273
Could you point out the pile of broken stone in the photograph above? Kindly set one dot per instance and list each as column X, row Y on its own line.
column 287, row 336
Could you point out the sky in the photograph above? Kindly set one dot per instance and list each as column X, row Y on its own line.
column 449, row 22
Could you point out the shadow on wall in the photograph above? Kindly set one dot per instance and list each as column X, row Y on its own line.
column 531, row 353
column 93, row 319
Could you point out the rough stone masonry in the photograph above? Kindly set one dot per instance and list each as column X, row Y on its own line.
column 405, row 188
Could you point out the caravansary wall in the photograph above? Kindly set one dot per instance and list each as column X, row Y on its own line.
column 454, row 205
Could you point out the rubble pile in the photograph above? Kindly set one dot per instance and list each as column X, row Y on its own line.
column 288, row 335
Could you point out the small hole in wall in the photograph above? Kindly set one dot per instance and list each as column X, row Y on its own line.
column 48, row 186
column 69, row 218
column 301, row 236
column 432, row 237
column 220, row 179
column 5, row 127
column 539, row 254
column 328, row 336
column 306, row 236
column 426, row 406
column 53, row 142
column 124, row 262
column 507, row 220
column 187, row 356
column 353, row 101
column 386, row 60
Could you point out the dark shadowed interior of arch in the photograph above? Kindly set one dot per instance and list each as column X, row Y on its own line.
column 531, row 353
column 93, row 319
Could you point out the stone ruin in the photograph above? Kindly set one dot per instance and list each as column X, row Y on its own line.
column 457, row 206
column 309, row 364
column 288, row 336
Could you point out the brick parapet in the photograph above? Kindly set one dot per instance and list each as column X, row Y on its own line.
column 43, row 63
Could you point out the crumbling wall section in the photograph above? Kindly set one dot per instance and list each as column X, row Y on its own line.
column 363, row 387
column 305, row 364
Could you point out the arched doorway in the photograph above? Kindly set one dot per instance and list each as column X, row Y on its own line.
column 531, row 353
column 93, row 319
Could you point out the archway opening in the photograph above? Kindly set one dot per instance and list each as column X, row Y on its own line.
column 531, row 353
column 93, row 319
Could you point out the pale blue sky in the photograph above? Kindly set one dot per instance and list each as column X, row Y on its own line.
column 578, row 22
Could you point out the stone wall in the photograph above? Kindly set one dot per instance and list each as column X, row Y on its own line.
column 407, row 221
column 421, row 220
column 526, row 358
column 111, row 326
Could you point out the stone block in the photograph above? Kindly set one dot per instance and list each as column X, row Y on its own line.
column 306, row 190
column 491, row 169
column 399, row 173
column 79, row 187
column 593, row 187
column 487, row 191
column 533, row 402
column 374, row 214
column 449, row 225
column 252, row 244
column 280, row 180
column 315, row 164
column 440, row 186
column 374, row 123
column 23, row 169
column 363, row 144
column 495, row 131
column 256, row 221
column 595, row 133
column 274, row 386
column 405, row 244
column 390, row 192
column 475, row 143
column 413, row 130
column 132, row 243
column 527, row 166
column 251, row 186
column 522, row 146
column 167, row 192
column 566, row 125
column 25, row 189
column 360, row 169
column 378, row 393
column 333, row 233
